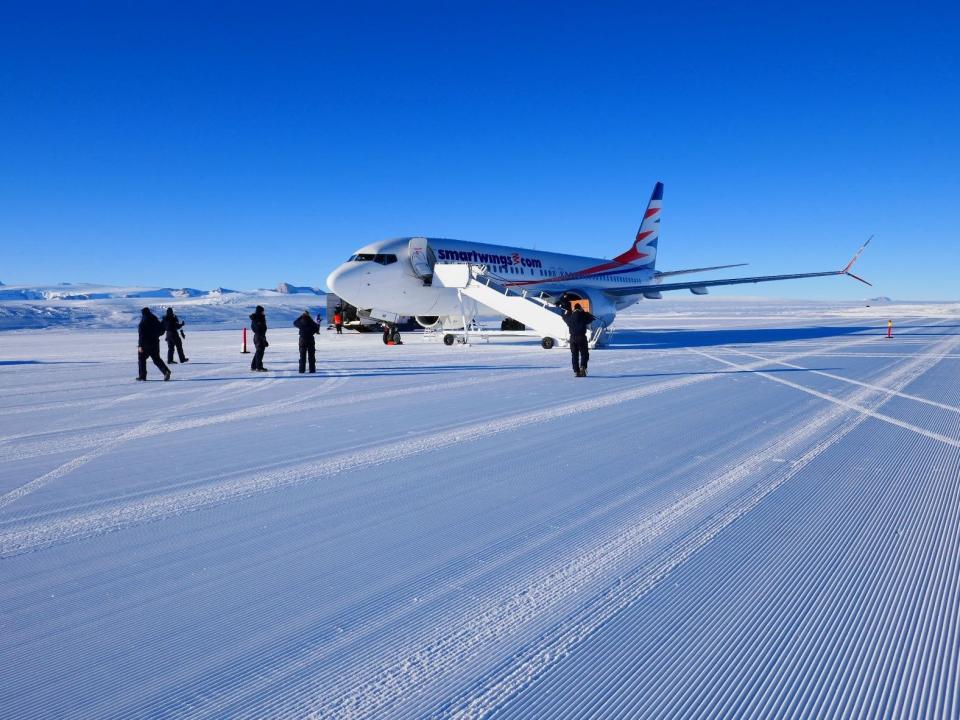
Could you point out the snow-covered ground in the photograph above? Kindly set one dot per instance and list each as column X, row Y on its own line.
column 747, row 509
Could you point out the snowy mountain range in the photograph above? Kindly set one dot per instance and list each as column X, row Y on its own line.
column 104, row 306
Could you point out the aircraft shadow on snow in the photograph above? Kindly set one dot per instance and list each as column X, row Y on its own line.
column 719, row 371
column 677, row 338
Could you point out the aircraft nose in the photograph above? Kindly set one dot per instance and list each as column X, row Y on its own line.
column 344, row 282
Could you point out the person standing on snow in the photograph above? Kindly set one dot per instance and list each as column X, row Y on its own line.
column 308, row 348
column 258, row 323
column 578, row 322
column 148, row 344
column 172, row 325
column 338, row 320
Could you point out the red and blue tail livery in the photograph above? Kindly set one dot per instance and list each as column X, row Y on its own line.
column 644, row 249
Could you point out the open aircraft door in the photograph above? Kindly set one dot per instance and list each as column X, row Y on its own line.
column 422, row 259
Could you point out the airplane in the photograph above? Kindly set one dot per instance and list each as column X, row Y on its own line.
column 390, row 279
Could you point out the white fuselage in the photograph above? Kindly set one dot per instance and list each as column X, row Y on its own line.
column 383, row 277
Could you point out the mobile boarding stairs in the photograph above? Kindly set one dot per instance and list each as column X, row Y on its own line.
column 541, row 315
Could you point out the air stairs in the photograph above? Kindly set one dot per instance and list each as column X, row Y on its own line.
column 533, row 311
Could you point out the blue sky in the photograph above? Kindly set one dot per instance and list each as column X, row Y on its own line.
column 193, row 144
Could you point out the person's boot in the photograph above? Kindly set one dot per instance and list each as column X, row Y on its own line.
column 141, row 379
column 183, row 360
column 166, row 375
column 171, row 362
column 583, row 372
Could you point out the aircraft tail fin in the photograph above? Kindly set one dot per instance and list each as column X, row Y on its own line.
column 643, row 252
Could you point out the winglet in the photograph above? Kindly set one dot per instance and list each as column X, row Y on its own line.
column 846, row 270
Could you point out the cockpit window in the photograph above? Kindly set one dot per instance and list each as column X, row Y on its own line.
column 380, row 258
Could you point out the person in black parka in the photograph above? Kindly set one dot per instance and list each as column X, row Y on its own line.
column 172, row 325
column 308, row 347
column 148, row 344
column 565, row 303
column 578, row 322
column 258, row 323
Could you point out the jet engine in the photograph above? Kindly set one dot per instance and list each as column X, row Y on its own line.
column 598, row 304
column 428, row 321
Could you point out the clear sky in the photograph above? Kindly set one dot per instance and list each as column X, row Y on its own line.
column 195, row 144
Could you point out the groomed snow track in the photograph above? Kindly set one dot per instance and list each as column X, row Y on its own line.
column 759, row 520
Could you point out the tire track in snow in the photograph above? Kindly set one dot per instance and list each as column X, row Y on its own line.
column 56, row 445
column 23, row 538
column 164, row 425
column 464, row 638
column 907, row 396
column 94, row 439
column 99, row 449
column 154, row 426
column 849, row 404
column 7, row 453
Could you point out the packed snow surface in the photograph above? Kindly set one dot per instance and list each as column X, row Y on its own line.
column 747, row 509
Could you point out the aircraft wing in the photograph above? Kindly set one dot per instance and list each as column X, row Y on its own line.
column 668, row 273
column 698, row 284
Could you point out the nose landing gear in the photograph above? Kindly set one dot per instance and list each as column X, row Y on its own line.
column 391, row 336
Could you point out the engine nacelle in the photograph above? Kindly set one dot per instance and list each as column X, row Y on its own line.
column 600, row 306
column 428, row 321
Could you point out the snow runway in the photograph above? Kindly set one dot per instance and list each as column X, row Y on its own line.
column 732, row 515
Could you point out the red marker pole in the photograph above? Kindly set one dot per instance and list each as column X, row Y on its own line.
column 889, row 329
column 243, row 350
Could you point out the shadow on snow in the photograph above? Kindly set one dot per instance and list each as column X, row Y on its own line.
column 46, row 362
column 681, row 338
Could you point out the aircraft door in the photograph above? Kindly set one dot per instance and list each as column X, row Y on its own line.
column 422, row 259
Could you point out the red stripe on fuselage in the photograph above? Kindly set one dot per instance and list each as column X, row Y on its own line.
column 618, row 263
